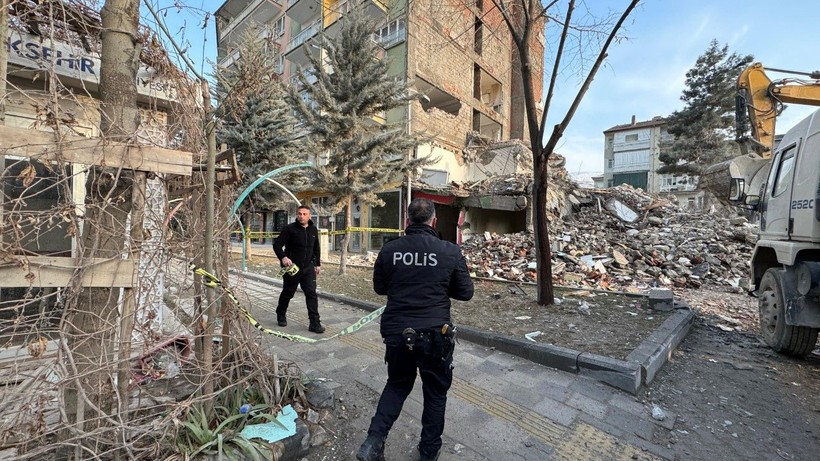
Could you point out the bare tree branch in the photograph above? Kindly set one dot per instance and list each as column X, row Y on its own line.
column 559, row 128
column 555, row 67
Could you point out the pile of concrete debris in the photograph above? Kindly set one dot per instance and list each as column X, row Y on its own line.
column 624, row 239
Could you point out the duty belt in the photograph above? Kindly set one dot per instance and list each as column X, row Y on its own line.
column 410, row 335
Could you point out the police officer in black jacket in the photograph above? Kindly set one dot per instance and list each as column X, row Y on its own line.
column 419, row 273
column 300, row 240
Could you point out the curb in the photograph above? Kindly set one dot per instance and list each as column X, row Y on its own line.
column 638, row 369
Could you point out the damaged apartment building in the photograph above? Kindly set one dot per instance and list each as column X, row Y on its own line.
column 53, row 79
column 462, row 62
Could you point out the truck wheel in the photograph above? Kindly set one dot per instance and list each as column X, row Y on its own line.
column 786, row 339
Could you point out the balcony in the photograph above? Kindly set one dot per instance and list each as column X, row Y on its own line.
column 390, row 39
column 295, row 52
column 294, row 80
column 336, row 10
column 231, row 56
column 237, row 15
column 302, row 11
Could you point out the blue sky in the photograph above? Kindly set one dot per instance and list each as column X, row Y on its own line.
column 644, row 74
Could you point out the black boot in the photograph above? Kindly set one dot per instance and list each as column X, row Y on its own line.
column 316, row 327
column 281, row 320
column 423, row 457
column 372, row 449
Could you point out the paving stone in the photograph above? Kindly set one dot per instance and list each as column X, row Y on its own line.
column 636, row 424
column 586, row 405
column 557, row 411
column 628, row 403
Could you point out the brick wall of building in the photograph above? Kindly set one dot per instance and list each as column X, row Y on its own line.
column 442, row 52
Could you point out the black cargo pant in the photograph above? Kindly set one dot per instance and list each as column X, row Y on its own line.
column 306, row 278
column 436, row 377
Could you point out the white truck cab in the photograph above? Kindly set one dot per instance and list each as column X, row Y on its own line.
column 785, row 266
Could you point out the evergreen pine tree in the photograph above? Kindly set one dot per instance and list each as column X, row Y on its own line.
column 703, row 130
column 256, row 119
column 357, row 156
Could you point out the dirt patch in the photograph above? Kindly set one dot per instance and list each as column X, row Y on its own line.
column 610, row 324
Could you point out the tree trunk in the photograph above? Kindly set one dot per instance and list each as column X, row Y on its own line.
column 346, row 239
column 90, row 329
column 223, row 252
column 210, row 178
column 543, row 255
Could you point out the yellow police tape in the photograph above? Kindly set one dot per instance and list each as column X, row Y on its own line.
column 210, row 280
column 268, row 234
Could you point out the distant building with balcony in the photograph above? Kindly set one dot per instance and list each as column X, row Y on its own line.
column 632, row 156
column 461, row 58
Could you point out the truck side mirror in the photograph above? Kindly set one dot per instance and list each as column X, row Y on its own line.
column 736, row 188
column 752, row 200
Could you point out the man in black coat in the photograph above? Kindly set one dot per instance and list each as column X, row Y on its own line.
column 419, row 273
column 300, row 240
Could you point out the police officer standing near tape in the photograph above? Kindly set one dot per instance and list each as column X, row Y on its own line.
column 419, row 273
column 300, row 240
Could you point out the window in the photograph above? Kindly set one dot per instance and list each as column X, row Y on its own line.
column 385, row 217
column 784, row 173
column 632, row 161
column 610, row 163
column 33, row 191
column 279, row 27
column 279, row 66
column 391, row 33
column 479, row 36
column 631, row 137
column 308, row 100
column 434, row 177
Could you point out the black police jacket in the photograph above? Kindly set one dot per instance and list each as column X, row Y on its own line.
column 301, row 244
column 419, row 273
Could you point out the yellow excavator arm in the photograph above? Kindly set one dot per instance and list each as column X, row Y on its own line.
column 760, row 100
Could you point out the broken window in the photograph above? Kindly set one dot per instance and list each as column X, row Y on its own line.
column 486, row 126
column 437, row 98
column 487, row 89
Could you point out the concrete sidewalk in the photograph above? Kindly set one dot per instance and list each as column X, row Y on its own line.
column 501, row 406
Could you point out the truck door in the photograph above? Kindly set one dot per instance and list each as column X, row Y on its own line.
column 804, row 213
column 776, row 222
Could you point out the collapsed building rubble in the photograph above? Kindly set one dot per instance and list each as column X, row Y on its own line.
column 623, row 239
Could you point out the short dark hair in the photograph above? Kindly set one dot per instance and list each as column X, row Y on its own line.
column 421, row 211
column 304, row 207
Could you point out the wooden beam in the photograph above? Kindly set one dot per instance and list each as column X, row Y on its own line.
column 44, row 271
column 41, row 146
